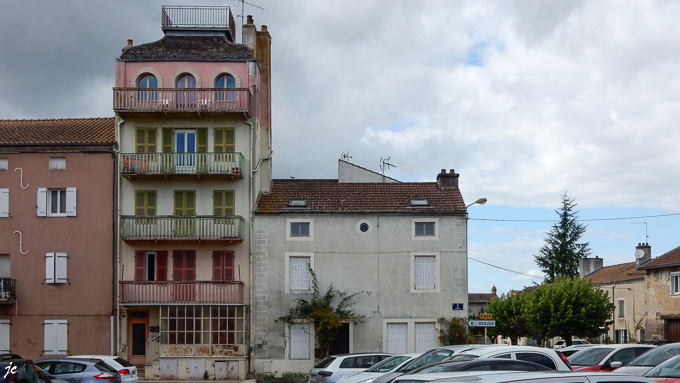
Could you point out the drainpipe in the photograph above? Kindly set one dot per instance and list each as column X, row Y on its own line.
column 115, row 330
column 251, row 205
column 613, row 317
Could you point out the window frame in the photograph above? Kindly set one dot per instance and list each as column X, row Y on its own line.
column 142, row 261
column 290, row 222
column 4, row 163
column 436, row 272
column 288, row 274
column 57, row 163
column 419, row 237
column 55, row 337
column 223, row 265
column 675, row 283
column 621, row 308
column 56, row 268
column 44, row 202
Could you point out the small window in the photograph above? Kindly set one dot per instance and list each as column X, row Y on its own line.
column 56, row 202
column 424, row 229
column 57, row 163
column 297, row 203
column 364, row 227
column 675, row 283
column 621, row 309
column 55, row 268
column 4, row 163
column 419, row 202
column 298, row 272
column 299, row 229
column 147, row 81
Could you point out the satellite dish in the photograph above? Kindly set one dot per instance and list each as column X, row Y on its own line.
column 639, row 253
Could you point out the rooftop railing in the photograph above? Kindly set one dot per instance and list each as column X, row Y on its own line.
column 198, row 17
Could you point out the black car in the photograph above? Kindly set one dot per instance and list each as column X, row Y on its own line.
column 15, row 369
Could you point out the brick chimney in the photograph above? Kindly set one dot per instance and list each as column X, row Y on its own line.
column 249, row 33
column 447, row 180
column 587, row 266
column 643, row 253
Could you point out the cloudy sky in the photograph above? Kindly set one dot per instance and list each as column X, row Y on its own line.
column 526, row 100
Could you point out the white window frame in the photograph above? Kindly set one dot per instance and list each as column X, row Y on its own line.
column 675, row 283
column 43, row 203
column 299, row 341
column 56, row 337
column 424, row 237
column 296, row 220
column 4, row 335
column 55, row 268
column 4, row 163
column 621, row 309
column 412, row 286
column 4, row 202
column 287, row 272
column 57, row 163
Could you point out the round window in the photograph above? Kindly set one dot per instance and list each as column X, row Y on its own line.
column 363, row 227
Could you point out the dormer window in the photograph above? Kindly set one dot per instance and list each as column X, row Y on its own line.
column 297, row 202
column 419, row 202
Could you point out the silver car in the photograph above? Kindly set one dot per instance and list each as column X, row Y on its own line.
column 127, row 370
column 334, row 367
column 80, row 370
column 650, row 359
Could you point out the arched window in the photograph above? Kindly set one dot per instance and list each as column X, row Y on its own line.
column 147, row 81
column 225, row 81
column 186, row 99
column 186, row 81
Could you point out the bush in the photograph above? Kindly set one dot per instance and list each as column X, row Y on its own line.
column 455, row 332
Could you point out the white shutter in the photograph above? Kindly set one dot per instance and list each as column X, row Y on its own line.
column 424, row 272
column 299, row 273
column 425, row 336
column 299, row 341
column 4, row 202
column 41, row 202
column 396, row 338
column 71, row 202
column 60, row 260
column 4, row 335
column 49, row 268
column 56, row 332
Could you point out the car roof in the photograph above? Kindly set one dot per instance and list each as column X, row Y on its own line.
column 358, row 354
column 431, row 376
column 622, row 345
column 520, row 376
column 489, row 350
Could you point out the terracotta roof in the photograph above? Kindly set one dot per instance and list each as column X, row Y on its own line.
column 332, row 196
column 188, row 48
column 671, row 258
column 624, row 272
column 480, row 297
column 57, row 131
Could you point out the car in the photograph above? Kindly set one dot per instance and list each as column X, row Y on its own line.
column 574, row 342
column 80, row 370
column 667, row 372
column 645, row 362
column 331, row 368
column 549, row 377
column 47, row 378
column 379, row 369
column 600, row 357
column 443, row 376
column 543, row 356
column 479, row 364
column 14, row 368
column 127, row 370
column 568, row 351
column 434, row 355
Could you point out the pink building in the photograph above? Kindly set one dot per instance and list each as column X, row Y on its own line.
column 57, row 288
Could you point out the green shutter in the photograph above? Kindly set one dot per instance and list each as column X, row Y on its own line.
column 168, row 140
column 217, row 202
column 145, row 202
column 201, row 140
column 223, row 202
column 224, row 140
column 185, row 202
column 145, row 140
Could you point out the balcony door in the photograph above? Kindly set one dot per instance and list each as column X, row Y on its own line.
column 185, row 149
column 184, row 270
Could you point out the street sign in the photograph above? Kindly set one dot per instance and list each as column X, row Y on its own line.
column 485, row 316
column 456, row 306
column 482, row 323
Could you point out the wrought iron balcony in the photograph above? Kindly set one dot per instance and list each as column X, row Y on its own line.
column 8, row 290
column 156, row 292
column 150, row 164
column 173, row 227
column 176, row 100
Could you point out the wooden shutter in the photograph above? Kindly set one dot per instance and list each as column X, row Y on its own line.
column 41, row 202
column 223, row 265
column 49, row 268
column 396, row 338
column 185, row 202
column 145, row 140
column 184, row 268
column 218, row 258
column 223, row 140
column 299, row 341
column 223, row 202
column 140, row 263
column 55, row 337
column 4, row 202
column 425, row 336
column 168, row 140
column 201, row 140
column 162, row 266
column 60, row 263
column 71, row 202
column 145, row 202
column 178, row 265
column 190, row 265
column 4, row 335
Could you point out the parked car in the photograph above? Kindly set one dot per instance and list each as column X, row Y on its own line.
column 127, row 370
column 379, row 369
column 569, row 351
column 76, row 370
column 332, row 368
column 645, row 362
column 574, row 342
column 437, row 377
column 600, row 358
column 667, row 372
column 480, row 364
column 14, row 368
column 544, row 356
column 549, row 377
column 47, row 378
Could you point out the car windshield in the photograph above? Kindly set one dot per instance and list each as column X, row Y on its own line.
column 388, row 364
column 325, row 362
column 427, row 358
column 589, row 356
column 101, row 366
column 656, row 356
column 667, row 369
column 444, row 367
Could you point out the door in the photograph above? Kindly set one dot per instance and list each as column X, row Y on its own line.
column 341, row 343
column 185, row 149
column 396, row 338
column 673, row 330
column 138, row 334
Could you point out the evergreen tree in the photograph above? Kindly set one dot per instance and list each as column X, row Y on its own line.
column 562, row 250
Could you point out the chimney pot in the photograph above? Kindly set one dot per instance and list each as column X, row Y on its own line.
column 263, row 28
column 250, row 19
column 129, row 42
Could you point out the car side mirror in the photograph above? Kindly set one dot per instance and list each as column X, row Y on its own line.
column 615, row 365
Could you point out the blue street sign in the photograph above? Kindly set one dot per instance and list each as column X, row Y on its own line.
column 456, row 306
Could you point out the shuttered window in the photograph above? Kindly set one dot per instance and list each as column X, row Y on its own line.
column 299, row 341
column 223, row 202
column 299, row 273
column 425, row 336
column 145, row 202
column 56, row 334
column 55, row 268
column 185, row 202
column 4, row 202
column 146, row 140
column 621, row 309
column 396, row 338
column 151, row 266
column 56, row 202
column 184, row 265
column 424, row 269
column 223, row 266
column 4, row 335
column 223, row 140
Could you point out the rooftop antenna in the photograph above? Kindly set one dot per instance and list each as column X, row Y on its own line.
column 345, row 156
column 643, row 223
column 243, row 4
column 385, row 165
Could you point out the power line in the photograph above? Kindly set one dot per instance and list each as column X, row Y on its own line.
column 580, row 220
column 502, row 268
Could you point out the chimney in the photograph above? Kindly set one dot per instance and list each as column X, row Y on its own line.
column 128, row 46
column 249, row 33
column 587, row 266
column 447, row 180
column 643, row 253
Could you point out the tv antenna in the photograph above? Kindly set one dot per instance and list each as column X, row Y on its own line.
column 643, row 223
column 243, row 5
column 385, row 165
column 345, row 156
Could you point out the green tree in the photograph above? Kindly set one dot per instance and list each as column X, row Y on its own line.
column 569, row 306
column 319, row 311
column 508, row 312
column 562, row 250
column 454, row 332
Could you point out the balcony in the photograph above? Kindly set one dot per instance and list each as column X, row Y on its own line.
column 8, row 290
column 173, row 227
column 174, row 100
column 162, row 164
column 180, row 292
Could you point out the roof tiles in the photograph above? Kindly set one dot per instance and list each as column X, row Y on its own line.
column 671, row 258
column 624, row 272
column 57, row 131
column 188, row 48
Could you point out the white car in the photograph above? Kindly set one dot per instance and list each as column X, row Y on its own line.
column 574, row 342
column 543, row 356
column 379, row 369
column 127, row 371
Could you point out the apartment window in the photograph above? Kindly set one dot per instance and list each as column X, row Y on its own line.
column 56, row 333
column 223, row 203
column 300, row 230
column 299, row 341
column 621, row 309
column 223, row 265
column 55, row 268
column 4, row 163
column 185, row 202
column 298, row 276
column 56, row 202
column 4, row 202
column 186, row 81
column 146, row 140
column 203, row 324
column 425, row 229
column 184, row 265
column 57, row 163
column 424, row 272
column 675, row 283
column 151, row 265
column 223, row 140
column 4, row 336
column 147, row 81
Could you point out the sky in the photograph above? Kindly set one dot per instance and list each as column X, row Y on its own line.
column 526, row 100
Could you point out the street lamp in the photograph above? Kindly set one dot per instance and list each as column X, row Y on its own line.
column 480, row 201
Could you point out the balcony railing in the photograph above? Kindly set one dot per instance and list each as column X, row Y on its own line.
column 8, row 292
column 139, row 227
column 148, row 292
column 181, row 163
column 204, row 100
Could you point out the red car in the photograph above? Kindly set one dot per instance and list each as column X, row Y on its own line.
column 599, row 358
